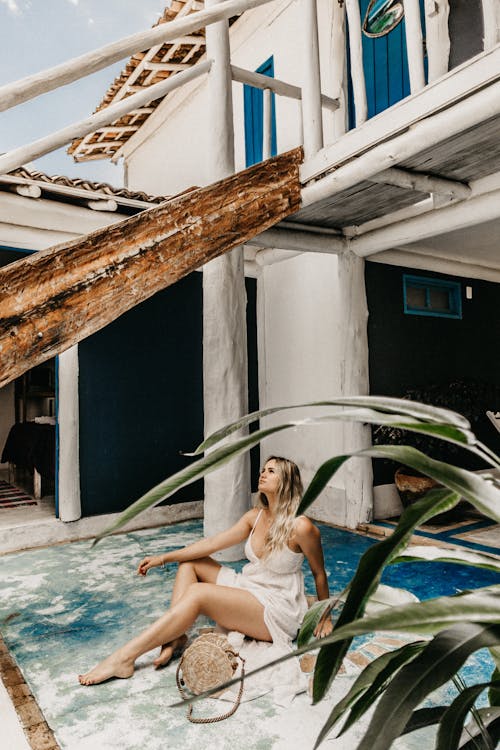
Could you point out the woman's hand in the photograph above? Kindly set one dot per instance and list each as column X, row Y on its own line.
column 324, row 627
column 149, row 562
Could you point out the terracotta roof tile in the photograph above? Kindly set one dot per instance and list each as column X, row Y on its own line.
column 95, row 187
column 141, row 71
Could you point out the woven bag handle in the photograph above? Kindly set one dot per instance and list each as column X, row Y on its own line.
column 213, row 719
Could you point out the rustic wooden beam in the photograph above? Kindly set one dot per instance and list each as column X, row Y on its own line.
column 59, row 296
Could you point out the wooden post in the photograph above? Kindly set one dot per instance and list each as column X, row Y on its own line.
column 338, row 53
column 414, row 45
column 357, row 473
column 311, row 88
column 437, row 37
column 267, row 124
column 225, row 369
column 68, row 422
column 491, row 23
column 356, row 52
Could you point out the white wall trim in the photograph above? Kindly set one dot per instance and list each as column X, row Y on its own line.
column 69, row 430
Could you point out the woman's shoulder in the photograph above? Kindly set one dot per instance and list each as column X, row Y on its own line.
column 305, row 527
column 251, row 515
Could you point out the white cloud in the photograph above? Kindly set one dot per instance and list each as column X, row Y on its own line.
column 74, row 2
column 91, row 22
column 12, row 6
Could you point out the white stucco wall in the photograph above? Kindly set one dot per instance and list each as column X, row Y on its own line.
column 300, row 360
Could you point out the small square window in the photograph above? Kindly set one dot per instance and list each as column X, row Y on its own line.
column 428, row 296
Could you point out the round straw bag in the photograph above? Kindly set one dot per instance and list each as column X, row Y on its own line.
column 209, row 661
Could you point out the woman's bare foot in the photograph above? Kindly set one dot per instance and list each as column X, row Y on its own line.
column 114, row 666
column 168, row 650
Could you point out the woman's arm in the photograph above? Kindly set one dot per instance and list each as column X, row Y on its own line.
column 204, row 547
column 308, row 537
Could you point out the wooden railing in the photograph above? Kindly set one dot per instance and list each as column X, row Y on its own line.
column 313, row 101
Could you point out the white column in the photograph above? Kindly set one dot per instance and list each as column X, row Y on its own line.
column 311, row 89
column 225, row 389
column 267, row 124
column 414, row 45
column 354, row 378
column 356, row 53
column 338, row 55
column 491, row 22
column 68, row 425
column 437, row 37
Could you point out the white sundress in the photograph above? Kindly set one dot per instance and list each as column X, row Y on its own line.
column 278, row 584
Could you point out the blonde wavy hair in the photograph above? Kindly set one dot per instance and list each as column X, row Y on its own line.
column 290, row 491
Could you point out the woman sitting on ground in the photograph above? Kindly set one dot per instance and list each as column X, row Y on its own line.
column 266, row 601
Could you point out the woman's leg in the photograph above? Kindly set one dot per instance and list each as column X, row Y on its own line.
column 203, row 570
column 234, row 609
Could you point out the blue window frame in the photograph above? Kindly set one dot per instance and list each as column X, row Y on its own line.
column 253, row 102
column 427, row 296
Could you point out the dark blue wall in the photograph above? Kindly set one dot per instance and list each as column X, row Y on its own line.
column 455, row 363
column 141, row 397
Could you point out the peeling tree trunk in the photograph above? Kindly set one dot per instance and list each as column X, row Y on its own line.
column 59, row 296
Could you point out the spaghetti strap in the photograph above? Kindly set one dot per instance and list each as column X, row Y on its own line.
column 256, row 521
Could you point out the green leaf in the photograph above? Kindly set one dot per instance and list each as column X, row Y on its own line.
column 218, row 457
column 437, row 663
column 388, row 596
column 312, row 617
column 478, row 489
column 471, row 736
column 367, row 577
column 452, row 723
column 191, row 473
column 366, row 701
column 384, row 404
column 438, row 554
column 382, row 665
column 427, row 617
column 424, row 717
column 494, row 693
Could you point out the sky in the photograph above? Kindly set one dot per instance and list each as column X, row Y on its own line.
column 37, row 34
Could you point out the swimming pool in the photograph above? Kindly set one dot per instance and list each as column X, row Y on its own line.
column 64, row 607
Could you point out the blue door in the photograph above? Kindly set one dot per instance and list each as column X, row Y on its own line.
column 385, row 65
column 253, row 101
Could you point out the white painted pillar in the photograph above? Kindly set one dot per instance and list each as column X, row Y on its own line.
column 225, row 378
column 311, row 88
column 491, row 23
column 267, row 124
column 356, row 54
column 338, row 54
column 437, row 37
column 414, row 45
column 354, row 378
column 68, row 425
